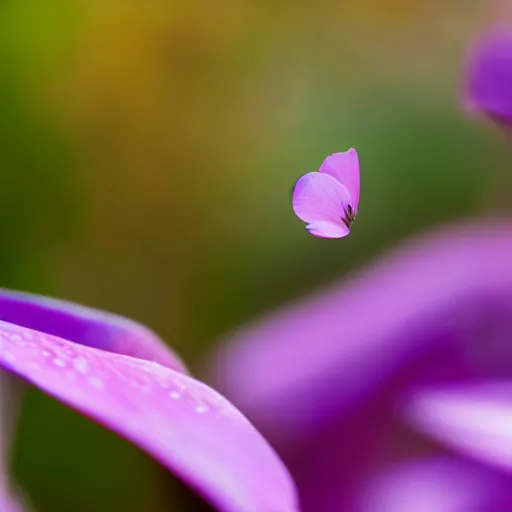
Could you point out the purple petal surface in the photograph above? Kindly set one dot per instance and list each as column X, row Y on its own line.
column 444, row 298
column 182, row 423
column 86, row 326
column 345, row 168
column 325, row 379
column 475, row 419
column 320, row 198
column 488, row 81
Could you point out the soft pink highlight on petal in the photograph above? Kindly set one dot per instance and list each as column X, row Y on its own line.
column 475, row 419
column 345, row 168
column 320, row 197
column 327, row 229
column 187, row 426
column 432, row 485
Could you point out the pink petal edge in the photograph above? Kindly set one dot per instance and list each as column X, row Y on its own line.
column 86, row 326
column 326, row 229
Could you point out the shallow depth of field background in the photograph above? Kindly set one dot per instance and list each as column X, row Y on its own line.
column 147, row 156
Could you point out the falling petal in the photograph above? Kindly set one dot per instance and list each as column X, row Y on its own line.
column 345, row 168
column 320, row 197
column 182, row 423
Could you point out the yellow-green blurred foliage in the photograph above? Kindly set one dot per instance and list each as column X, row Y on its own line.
column 148, row 152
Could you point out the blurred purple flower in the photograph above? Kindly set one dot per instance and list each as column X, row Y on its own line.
column 488, row 81
column 393, row 391
column 120, row 374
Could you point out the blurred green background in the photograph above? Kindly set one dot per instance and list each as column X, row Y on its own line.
column 148, row 151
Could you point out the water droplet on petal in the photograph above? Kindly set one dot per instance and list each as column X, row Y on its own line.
column 81, row 365
column 95, row 382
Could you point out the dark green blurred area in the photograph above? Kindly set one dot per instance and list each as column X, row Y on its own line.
column 148, row 151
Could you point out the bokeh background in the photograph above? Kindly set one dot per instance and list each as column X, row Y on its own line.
column 147, row 155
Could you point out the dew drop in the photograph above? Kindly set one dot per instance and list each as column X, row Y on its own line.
column 175, row 395
column 59, row 362
column 96, row 383
column 201, row 409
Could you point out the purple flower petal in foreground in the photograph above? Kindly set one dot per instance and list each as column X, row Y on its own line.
column 182, row 423
column 488, row 81
column 328, row 200
column 363, row 387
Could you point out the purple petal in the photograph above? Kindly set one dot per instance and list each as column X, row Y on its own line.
column 184, row 424
column 435, row 485
column 86, row 326
column 475, row 419
column 488, row 85
column 441, row 305
column 81, row 325
column 345, row 168
column 320, row 198
column 321, row 378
